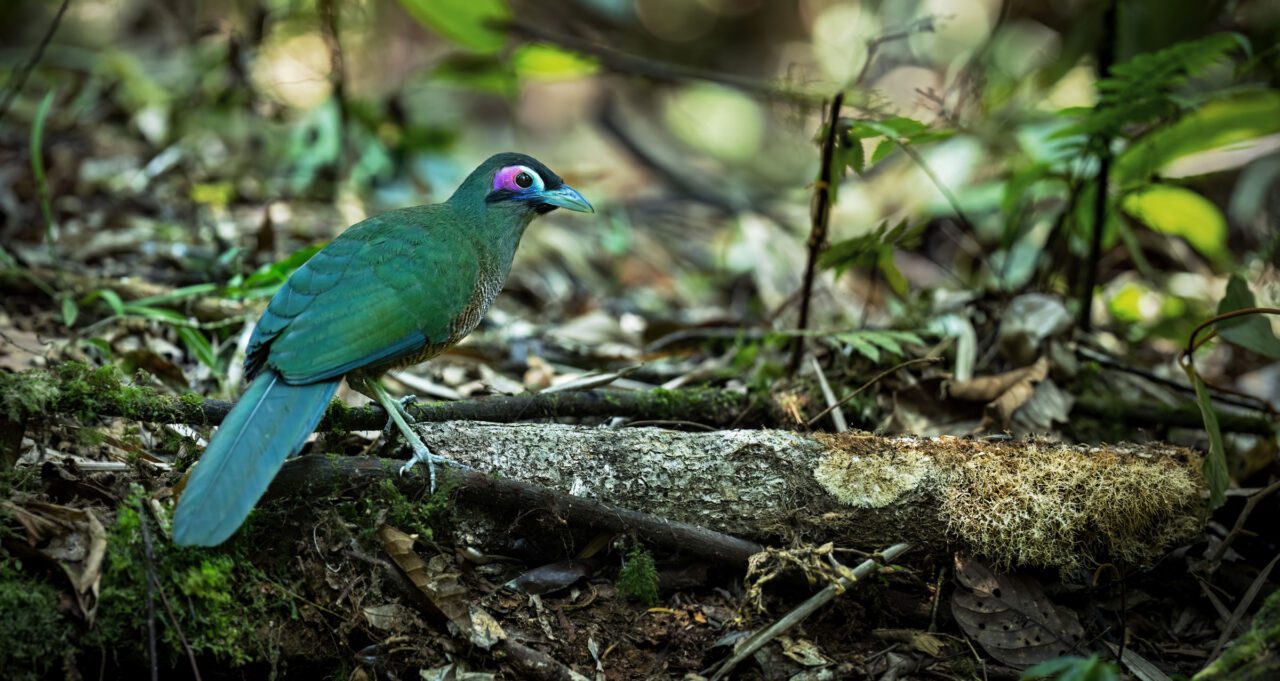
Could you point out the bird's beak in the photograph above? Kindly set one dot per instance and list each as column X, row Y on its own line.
column 567, row 197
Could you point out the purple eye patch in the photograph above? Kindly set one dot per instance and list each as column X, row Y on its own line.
column 516, row 179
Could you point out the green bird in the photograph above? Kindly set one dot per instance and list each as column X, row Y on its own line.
column 391, row 291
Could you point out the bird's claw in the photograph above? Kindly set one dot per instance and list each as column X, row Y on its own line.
column 423, row 454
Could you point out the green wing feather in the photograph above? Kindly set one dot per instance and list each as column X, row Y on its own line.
column 383, row 290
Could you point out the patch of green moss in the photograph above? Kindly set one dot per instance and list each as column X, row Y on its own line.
column 1254, row 656
column 424, row 515
column 219, row 597
column 90, row 392
column 26, row 394
column 639, row 576
column 338, row 417
column 35, row 635
column 191, row 400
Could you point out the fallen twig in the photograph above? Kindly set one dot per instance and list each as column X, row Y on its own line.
column 1183, row 416
column 760, row 638
column 1249, row 505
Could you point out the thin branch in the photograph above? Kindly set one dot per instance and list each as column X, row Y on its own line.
column 154, row 583
column 1192, row 345
column 1187, row 415
column 1238, row 529
column 152, row 654
column 875, row 379
column 759, row 639
column 1106, row 56
column 1233, row 623
column 948, row 195
column 329, row 23
column 1229, row 398
column 820, row 214
column 706, row 406
column 19, row 79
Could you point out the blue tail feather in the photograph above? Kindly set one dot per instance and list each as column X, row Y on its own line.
column 271, row 422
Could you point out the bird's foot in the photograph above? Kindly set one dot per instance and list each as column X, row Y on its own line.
column 422, row 454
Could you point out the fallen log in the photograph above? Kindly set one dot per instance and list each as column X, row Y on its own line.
column 1017, row 503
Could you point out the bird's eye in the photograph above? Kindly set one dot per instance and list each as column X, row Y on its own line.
column 516, row 179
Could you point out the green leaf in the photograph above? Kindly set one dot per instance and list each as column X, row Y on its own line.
column 1216, row 124
column 268, row 278
column 1215, row 464
column 112, row 299
column 1141, row 89
column 859, row 343
column 898, row 126
column 870, row 342
column 1252, row 332
column 538, row 61
column 176, row 294
column 865, row 250
column 472, row 24
column 885, row 340
column 157, row 313
column 199, row 346
column 486, row 73
column 883, row 149
column 69, row 311
column 892, row 275
column 1181, row 212
column 101, row 344
column 851, row 154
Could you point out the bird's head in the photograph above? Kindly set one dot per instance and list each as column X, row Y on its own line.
column 518, row 185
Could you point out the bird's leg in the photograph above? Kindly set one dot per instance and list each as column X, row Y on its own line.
column 389, row 430
column 401, row 418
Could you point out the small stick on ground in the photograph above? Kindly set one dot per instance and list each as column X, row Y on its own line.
column 1236, row 529
column 759, row 639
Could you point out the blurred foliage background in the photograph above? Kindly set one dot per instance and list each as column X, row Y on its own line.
column 195, row 143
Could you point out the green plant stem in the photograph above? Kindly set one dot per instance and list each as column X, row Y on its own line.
column 1192, row 345
column 37, row 173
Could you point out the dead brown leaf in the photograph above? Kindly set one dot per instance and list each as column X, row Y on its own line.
column 73, row 538
column 1010, row 617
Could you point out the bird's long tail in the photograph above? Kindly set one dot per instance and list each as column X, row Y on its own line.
column 270, row 423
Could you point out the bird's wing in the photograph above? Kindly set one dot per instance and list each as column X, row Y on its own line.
column 382, row 291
